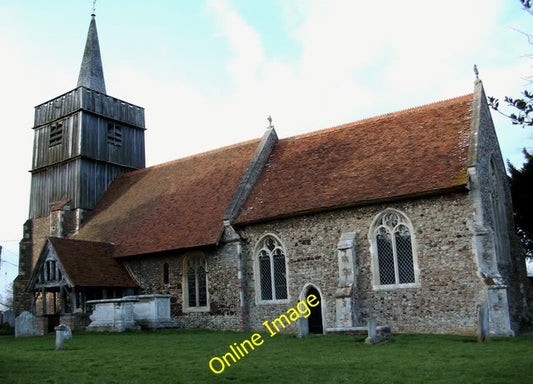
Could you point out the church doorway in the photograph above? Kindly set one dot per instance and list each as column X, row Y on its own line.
column 315, row 318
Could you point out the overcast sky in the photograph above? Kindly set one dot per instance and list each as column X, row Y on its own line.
column 208, row 73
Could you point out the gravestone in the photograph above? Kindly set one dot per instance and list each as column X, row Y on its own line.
column 372, row 332
column 25, row 325
column 63, row 333
column 9, row 318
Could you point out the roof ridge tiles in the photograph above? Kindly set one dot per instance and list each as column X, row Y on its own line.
column 69, row 238
column 381, row 117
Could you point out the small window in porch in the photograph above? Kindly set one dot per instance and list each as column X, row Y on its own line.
column 166, row 274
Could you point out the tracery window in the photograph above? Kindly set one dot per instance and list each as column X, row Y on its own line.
column 395, row 262
column 195, row 277
column 272, row 269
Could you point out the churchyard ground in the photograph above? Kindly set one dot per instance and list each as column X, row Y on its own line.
column 182, row 356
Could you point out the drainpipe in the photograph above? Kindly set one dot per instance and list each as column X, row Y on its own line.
column 241, row 286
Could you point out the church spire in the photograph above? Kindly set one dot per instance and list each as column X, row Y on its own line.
column 91, row 71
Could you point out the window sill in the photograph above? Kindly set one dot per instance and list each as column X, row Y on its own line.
column 272, row 302
column 391, row 287
column 195, row 309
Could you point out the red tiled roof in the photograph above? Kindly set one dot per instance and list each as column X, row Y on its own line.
column 412, row 152
column 91, row 264
column 176, row 205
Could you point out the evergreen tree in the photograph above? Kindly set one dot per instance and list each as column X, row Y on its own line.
column 521, row 181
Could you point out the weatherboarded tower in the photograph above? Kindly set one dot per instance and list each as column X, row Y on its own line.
column 83, row 139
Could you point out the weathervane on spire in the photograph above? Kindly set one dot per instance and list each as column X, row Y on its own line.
column 269, row 118
column 476, row 72
column 94, row 7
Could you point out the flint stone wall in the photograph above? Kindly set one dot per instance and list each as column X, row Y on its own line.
column 447, row 300
column 222, row 286
column 450, row 292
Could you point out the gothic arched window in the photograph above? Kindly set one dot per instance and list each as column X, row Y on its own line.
column 195, row 282
column 393, row 251
column 272, row 269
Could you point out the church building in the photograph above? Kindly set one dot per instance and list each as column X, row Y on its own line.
column 405, row 218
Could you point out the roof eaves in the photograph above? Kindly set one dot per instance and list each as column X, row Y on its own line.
column 463, row 187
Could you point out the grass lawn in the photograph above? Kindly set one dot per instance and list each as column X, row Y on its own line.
column 180, row 356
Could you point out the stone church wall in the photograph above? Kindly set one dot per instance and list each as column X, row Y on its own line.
column 222, row 286
column 450, row 292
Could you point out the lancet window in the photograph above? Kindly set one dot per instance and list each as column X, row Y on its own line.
column 166, row 274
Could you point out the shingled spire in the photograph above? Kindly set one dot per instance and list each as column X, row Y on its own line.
column 91, row 71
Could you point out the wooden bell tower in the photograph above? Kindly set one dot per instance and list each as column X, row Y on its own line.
column 83, row 139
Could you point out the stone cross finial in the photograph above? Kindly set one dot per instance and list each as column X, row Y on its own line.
column 269, row 118
column 476, row 72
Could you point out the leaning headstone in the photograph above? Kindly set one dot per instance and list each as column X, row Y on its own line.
column 372, row 332
column 9, row 318
column 25, row 325
column 483, row 322
column 63, row 333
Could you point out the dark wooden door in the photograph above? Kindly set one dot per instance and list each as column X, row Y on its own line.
column 315, row 318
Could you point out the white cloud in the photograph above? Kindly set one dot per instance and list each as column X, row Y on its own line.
column 248, row 57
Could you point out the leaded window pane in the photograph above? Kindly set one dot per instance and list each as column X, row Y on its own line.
column 404, row 251
column 280, row 277
column 202, row 286
column 265, row 276
column 191, row 285
column 394, row 250
column 385, row 258
column 272, row 270
column 196, row 282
